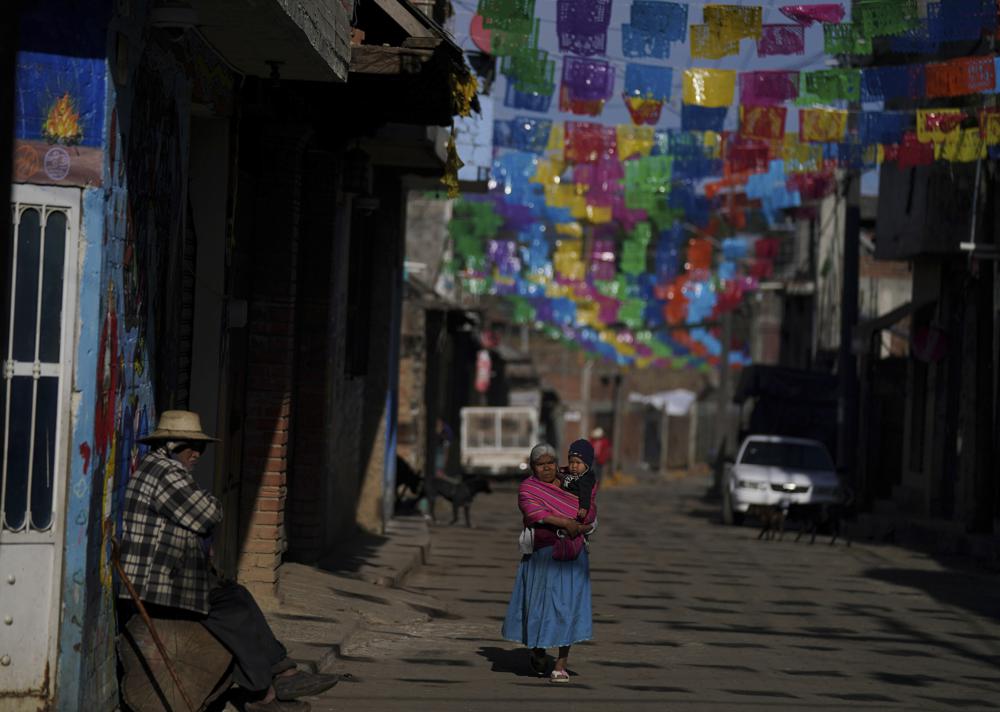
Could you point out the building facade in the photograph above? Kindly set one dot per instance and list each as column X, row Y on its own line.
column 204, row 217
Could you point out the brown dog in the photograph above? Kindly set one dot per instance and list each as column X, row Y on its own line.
column 772, row 519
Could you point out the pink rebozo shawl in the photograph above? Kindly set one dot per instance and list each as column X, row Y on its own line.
column 538, row 500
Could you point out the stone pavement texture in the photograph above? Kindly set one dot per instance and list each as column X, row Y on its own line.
column 688, row 614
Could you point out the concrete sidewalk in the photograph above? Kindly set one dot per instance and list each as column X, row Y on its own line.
column 356, row 588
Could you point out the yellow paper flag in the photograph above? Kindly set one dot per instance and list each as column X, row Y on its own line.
column 709, row 87
column 822, row 125
column 989, row 125
column 707, row 43
column 572, row 229
column 548, row 170
column 937, row 125
column 634, row 140
column 599, row 214
column 961, row 146
column 557, row 139
column 734, row 22
column 587, row 313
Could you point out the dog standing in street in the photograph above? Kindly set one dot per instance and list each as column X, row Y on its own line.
column 460, row 494
column 772, row 519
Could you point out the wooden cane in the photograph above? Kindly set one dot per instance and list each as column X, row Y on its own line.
column 116, row 560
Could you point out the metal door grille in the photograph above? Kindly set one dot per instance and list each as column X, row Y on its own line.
column 31, row 394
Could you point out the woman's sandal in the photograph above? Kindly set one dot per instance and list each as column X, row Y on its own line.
column 559, row 676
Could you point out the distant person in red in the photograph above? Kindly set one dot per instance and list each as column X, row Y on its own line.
column 602, row 449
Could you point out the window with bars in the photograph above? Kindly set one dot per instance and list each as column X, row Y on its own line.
column 31, row 387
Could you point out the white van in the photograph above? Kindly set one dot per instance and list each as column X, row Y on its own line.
column 497, row 440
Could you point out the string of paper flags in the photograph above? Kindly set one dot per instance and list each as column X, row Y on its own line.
column 631, row 239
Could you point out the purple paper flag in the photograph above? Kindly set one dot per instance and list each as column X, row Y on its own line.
column 588, row 79
column 582, row 26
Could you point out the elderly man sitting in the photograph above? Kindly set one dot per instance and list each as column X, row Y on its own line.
column 165, row 552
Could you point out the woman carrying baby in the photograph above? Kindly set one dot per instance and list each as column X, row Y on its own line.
column 550, row 604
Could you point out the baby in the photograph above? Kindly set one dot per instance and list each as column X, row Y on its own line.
column 578, row 477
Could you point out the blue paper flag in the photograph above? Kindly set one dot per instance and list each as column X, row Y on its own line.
column 669, row 19
column 702, row 118
column 885, row 127
column 638, row 42
column 697, row 208
column 737, row 248
column 957, row 20
column 916, row 40
column 696, row 168
column 529, row 101
column 907, row 81
column 648, row 81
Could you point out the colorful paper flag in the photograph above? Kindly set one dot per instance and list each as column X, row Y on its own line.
column 765, row 88
column 880, row 18
column 707, row 42
column 702, row 118
column 781, row 40
column 709, row 87
column 829, row 85
column 957, row 77
column 846, row 38
column 936, row 125
column 962, row 146
column 808, row 14
column 822, row 125
column 734, row 22
column 762, row 122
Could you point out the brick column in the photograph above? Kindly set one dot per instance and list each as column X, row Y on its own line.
column 271, row 359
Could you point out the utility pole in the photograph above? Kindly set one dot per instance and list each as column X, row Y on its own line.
column 585, row 377
column 723, row 397
column 847, row 367
column 616, row 434
column 847, row 363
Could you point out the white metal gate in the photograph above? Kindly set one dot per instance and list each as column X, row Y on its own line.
column 38, row 345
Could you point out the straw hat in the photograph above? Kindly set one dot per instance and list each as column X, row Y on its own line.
column 178, row 425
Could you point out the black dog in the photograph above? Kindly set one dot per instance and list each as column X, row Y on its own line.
column 460, row 494
column 408, row 479
column 830, row 518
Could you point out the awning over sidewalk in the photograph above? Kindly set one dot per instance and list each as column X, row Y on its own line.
column 407, row 67
column 302, row 39
column 864, row 331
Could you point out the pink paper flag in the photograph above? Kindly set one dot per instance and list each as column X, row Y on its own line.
column 778, row 40
column 766, row 88
column 808, row 14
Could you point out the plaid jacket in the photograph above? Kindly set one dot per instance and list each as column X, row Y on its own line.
column 165, row 520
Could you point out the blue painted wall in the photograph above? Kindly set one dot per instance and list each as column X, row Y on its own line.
column 125, row 145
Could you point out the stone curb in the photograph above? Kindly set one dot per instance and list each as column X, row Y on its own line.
column 349, row 576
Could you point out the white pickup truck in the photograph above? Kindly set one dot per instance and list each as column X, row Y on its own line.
column 497, row 440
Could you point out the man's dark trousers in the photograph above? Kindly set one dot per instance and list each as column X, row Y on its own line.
column 237, row 621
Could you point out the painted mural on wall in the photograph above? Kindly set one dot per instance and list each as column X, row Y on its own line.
column 59, row 113
column 147, row 177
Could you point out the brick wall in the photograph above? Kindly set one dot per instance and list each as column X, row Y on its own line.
column 313, row 406
column 271, row 363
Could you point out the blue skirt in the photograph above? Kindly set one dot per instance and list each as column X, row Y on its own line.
column 550, row 605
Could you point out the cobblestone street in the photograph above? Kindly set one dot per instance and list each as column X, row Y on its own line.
column 688, row 614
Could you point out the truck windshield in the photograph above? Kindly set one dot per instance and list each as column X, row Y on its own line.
column 787, row 455
column 515, row 430
column 481, row 430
